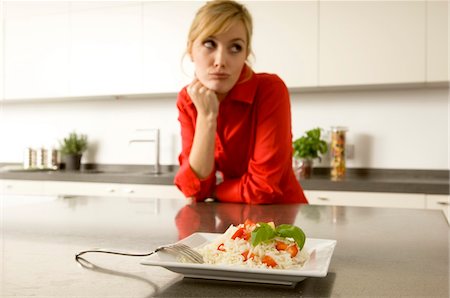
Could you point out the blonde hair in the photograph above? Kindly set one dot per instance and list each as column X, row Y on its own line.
column 216, row 17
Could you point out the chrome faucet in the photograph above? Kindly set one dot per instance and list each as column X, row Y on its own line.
column 155, row 139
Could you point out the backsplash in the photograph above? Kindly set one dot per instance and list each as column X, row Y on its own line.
column 393, row 129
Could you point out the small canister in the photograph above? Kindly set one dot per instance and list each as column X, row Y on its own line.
column 52, row 159
column 41, row 158
column 338, row 152
column 29, row 158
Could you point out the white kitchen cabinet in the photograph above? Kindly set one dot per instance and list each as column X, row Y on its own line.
column 437, row 41
column 63, row 188
column 1, row 49
column 69, row 188
column 36, row 53
column 22, row 187
column 106, row 52
column 372, row 42
column 366, row 199
column 439, row 202
column 285, row 40
column 164, row 44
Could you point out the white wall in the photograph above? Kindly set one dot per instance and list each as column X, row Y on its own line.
column 393, row 129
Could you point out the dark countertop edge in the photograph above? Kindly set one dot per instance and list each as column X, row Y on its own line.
column 369, row 186
column 357, row 179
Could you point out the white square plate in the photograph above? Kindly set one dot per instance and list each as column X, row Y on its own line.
column 320, row 251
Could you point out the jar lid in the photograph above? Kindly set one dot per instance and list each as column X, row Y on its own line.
column 339, row 128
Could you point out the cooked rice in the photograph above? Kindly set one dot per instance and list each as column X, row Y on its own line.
column 235, row 247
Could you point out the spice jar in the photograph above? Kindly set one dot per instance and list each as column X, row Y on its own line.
column 41, row 158
column 338, row 152
column 29, row 158
column 52, row 159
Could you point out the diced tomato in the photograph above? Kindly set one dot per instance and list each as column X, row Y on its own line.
column 280, row 245
column 293, row 250
column 269, row 261
column 249, row 224
column 246, row 256
column 221, row 247
column 241, row 233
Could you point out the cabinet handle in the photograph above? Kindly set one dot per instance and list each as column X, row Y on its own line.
column 9, row 186
column 110, row 190
column 323, row 199
column 443, row 203
column 128, row 190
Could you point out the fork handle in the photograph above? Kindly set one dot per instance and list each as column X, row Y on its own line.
column 100, row 250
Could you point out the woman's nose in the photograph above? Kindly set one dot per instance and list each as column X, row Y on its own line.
column 219, row 58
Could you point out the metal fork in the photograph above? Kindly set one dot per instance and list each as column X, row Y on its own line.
column 177, row 249
column 182, row 250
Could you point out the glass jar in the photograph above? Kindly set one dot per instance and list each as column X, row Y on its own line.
column 29, row 158
column 337, row 149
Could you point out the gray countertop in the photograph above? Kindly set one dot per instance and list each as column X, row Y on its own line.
column 370, row 180
column 377, row 253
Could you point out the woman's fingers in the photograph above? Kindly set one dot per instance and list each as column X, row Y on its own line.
column 204, row 99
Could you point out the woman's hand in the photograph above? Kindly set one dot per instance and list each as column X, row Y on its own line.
column 204, row 99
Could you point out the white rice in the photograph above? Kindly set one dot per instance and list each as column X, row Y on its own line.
column 235, row 247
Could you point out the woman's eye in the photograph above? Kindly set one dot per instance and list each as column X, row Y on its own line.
column 210, row 44
column 236, row 48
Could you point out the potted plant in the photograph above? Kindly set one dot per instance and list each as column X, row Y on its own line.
column 72, row 149
column 307, row 148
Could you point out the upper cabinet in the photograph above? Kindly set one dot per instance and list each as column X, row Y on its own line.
column 437, row 41
column 36, row 49
column 166, row 68
column 106, row 53
column 58, row 49
column 372, row 42
column 285, row 40
column 2, row 22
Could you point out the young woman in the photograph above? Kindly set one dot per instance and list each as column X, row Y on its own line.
column 233, row 121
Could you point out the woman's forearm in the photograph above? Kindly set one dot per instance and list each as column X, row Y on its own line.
column 201, row 157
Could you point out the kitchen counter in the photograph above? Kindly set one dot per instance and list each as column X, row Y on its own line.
column 367, row 180
column 377, row 253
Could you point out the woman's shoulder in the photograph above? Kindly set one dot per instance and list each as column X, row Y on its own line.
column 183, row 98
column 268, row 79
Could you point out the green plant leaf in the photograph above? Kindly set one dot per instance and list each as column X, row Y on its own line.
column 262, row 233
column 73, row 144
column 291, row 231
column 310, row 145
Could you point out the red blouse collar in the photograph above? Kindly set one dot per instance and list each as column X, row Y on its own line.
column 245, row 88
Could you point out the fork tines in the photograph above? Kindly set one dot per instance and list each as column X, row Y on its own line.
column 186, row 251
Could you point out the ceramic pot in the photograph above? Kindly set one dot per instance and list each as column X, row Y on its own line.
column 303, row 168
column 72, row 162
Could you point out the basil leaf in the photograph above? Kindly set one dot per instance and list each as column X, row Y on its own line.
column 262, row 233
column 294, row 232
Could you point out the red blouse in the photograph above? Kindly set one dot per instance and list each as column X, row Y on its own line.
column 253, row 150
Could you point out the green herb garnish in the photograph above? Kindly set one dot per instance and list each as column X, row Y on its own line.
column 265, row 232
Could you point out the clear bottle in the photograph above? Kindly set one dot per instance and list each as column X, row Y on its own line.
column 337, row 149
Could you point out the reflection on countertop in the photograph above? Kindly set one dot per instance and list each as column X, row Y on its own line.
column 41, row 235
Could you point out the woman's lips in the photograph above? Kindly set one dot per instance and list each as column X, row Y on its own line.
column 219, row 76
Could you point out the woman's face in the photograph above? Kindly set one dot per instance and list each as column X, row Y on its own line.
column 219, row 59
